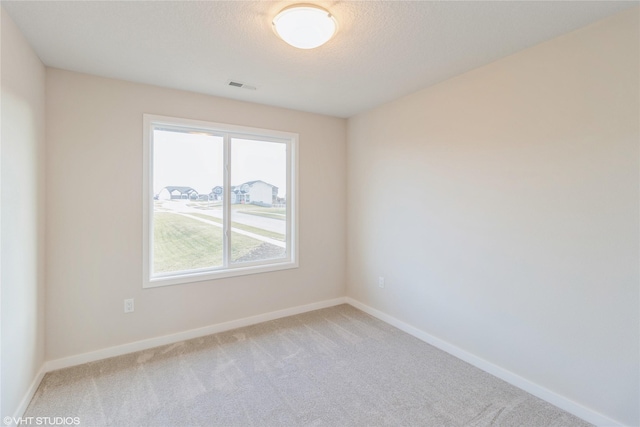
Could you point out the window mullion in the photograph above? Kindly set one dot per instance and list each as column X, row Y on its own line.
column 226, row 203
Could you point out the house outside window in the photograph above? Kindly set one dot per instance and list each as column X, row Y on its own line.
column 219, row 200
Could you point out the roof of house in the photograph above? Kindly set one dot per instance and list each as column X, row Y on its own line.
column 258, row 180
column 238, row 188
column 182, row 190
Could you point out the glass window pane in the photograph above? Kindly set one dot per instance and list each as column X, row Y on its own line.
column 187, row 205
column 258, row 200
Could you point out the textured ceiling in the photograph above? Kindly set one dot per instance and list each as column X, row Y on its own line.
column 383, row 50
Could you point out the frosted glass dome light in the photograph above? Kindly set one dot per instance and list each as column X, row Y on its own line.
column 305, row 26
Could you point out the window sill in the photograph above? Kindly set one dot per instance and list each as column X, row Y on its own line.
column 217, row 274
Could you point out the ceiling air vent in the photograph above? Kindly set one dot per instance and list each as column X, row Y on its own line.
column 239, row 84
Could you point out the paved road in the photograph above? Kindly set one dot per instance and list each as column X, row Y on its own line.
column 270, row 224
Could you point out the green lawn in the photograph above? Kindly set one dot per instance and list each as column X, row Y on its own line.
column 275, row 213
column 262, row 209
column 267, row 214
column 255, row 230
column 206, row 205
column 182, row 243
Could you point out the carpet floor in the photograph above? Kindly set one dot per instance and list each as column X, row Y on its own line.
column 331, row 367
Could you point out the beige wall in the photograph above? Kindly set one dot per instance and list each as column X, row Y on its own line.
column 94, row 216
column 22, row 216
column 502, row 208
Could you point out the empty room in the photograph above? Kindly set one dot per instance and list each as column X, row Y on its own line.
column 347, row 213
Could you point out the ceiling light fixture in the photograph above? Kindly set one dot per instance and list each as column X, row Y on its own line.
column 305, row 26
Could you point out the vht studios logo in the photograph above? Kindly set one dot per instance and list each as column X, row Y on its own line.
column 42, row 421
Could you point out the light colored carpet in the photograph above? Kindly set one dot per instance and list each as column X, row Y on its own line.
column 334, row 367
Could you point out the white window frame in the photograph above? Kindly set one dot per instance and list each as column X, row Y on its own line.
column 228, row 269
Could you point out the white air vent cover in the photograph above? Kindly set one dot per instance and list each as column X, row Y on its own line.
column 235, row 83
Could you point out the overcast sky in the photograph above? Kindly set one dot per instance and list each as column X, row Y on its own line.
column 196, row 160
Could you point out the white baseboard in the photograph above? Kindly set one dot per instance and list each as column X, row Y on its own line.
column 119, row 350
column 555, row 399
column 31, row 391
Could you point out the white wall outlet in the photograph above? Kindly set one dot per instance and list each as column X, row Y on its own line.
column 381, row 282
column 128, row 305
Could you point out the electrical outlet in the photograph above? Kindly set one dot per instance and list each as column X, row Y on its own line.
column 381, row 282
column 128, row 305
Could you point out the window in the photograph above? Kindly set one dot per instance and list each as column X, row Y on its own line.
column 219, row 200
